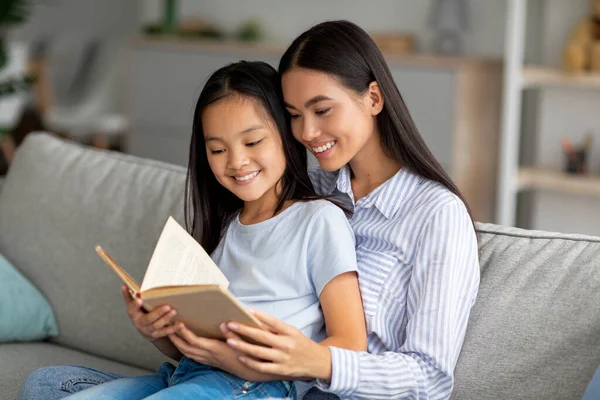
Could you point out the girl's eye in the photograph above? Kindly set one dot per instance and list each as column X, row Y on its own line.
column 294, row 116
column 252, row 144
column 322, row 111
column 217, row 151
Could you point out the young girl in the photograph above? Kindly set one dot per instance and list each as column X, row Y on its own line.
column 416, row 246
column 250, row 204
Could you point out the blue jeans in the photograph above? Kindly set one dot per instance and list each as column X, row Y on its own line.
column 593, row 390
column 189, row 380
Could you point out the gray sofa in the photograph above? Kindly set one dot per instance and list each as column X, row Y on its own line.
column 534, row 332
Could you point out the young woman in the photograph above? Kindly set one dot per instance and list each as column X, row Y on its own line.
column 416, row 243
column 248, row 191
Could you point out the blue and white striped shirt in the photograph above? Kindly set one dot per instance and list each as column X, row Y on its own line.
column 419, row 275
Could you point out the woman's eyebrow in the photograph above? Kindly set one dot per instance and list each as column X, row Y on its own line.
column 310, row 102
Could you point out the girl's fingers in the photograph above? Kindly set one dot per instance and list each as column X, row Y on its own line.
column 148, row 319
column 228, row 333
column 181, row 344
column 258, row 352
column 166, row 331
column 258, row 335
column 164, row 320
column 126, row 296
column 195, row 341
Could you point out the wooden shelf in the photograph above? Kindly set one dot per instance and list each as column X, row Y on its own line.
column 558, row 181
column 553, row 77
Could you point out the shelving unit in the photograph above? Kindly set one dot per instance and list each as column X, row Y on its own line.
column 537, row 77
column 519, row 77
column 558, row 181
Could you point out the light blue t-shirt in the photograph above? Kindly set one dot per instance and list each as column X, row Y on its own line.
column 281, row 265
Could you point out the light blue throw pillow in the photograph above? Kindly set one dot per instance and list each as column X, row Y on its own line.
column 25, row 315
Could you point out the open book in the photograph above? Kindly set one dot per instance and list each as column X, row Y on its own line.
column 184, row 276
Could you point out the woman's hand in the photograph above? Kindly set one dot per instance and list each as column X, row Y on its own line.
column 154, row 325
column 286, row 350
column 216, row 353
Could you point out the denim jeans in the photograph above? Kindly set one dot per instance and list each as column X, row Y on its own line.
column 593, row 390
column 189, row 380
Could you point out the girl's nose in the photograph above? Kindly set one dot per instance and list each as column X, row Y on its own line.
column 237, row 160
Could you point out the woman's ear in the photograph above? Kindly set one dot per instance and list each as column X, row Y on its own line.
column 375, row 98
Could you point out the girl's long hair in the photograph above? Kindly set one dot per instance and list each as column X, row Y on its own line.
column 208, row 206
column 346, row 51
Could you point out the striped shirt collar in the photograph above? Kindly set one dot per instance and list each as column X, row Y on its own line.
column 388, row 197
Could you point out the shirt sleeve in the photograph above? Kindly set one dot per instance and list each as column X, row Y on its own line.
column 331, row 246
column 442, row 290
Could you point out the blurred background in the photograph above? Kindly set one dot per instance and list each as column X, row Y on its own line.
column 506, row 93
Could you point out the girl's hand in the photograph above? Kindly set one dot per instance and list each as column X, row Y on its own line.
column 215, row 353
column 153, row 325
column 286, row 352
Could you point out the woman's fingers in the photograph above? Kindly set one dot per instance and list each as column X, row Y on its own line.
column 265, row 368
column 273, row 323
column 258, row 352
column 258, row 335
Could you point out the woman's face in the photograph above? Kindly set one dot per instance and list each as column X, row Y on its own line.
column 333, row 122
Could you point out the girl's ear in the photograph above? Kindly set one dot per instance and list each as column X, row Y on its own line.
column 375, row 98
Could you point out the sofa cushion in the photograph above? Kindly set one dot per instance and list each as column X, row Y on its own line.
column 534, row 332
column 20, row 359
column 24, row 313
column 60, row 199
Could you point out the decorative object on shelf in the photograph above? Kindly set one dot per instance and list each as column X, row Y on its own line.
column 576, row 157
column 170, row 16
column 249, row 31
column 450, row 20
column 395, row 42
column 582, row 50
column 12, row 12
column 200, row 28
column 194, row 27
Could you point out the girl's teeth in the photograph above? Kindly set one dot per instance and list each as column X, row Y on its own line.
column 247, row 177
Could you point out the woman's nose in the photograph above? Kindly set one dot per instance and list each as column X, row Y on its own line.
column 310, row 131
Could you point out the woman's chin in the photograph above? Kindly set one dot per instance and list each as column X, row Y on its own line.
column 332, row 164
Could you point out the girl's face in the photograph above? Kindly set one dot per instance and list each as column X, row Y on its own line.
column 244, row 148
column 333, row 122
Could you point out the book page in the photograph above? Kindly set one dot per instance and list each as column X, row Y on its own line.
column 179, row 260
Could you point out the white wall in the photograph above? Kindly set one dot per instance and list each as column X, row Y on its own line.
column 80, row 19
column 284, row 19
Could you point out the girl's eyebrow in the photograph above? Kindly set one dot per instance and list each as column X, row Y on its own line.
column 251, row 128
column 310, row 102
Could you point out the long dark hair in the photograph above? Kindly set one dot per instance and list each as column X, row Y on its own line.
column 209, row 207
column 345, row 50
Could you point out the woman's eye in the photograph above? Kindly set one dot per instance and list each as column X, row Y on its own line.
column 252, row 144
column 294, row 116
column 217, row 151
column 322, row 111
